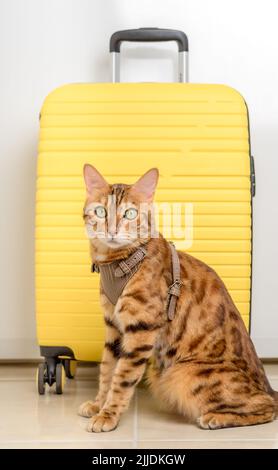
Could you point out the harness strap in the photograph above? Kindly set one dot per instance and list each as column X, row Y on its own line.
column 174, row 288
column 126, row 265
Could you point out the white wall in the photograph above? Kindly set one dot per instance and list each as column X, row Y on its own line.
column 45, row 43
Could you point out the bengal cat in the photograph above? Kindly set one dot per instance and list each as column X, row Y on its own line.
column 202, row 363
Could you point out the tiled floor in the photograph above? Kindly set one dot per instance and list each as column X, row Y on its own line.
column 50, row 421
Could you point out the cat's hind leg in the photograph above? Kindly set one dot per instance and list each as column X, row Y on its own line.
column 204, row 395
column 237, row 407
column 233, row 419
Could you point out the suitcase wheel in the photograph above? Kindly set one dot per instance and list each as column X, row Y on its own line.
column 50, row 372
column 70, row 368
column 41, row 378
column 60, row 376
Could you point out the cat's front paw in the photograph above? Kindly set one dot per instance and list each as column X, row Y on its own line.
column 89, row 409
column 103, row 422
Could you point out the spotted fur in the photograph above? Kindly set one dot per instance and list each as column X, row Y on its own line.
column 202, row 364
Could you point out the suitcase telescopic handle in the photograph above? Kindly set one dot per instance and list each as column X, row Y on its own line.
column 149, row 35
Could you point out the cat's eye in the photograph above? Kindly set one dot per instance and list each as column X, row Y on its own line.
column 131, row 213
column 100, row 212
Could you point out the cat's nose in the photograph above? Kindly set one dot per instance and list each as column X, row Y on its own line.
column 112, row 233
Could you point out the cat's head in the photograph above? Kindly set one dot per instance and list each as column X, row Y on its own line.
column 118, row 216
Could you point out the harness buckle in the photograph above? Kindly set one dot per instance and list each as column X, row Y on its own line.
column 122, row 269
column 126, row 265
column 172, row 296
column 174, row 289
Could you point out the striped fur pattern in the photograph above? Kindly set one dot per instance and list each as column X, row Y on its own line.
column 202, row 364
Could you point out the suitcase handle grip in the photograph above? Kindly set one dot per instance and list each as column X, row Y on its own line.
column 148, row 35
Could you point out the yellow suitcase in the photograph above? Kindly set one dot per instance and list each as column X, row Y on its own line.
column 198, row 137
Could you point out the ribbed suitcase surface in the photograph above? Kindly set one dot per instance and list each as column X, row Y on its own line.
column 197, row 135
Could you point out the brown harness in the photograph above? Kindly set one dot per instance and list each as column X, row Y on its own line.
column 115, row 275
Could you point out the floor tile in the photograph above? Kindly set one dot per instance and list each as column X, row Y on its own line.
column 50, row 421
column 86, row 444
column 273, row 382
column 251, row 444
column 153, row 421
column 17, row 371
column 26, row 416
column 271, row 370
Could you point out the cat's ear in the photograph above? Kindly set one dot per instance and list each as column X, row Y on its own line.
column 93, row 179
column 146, row 184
